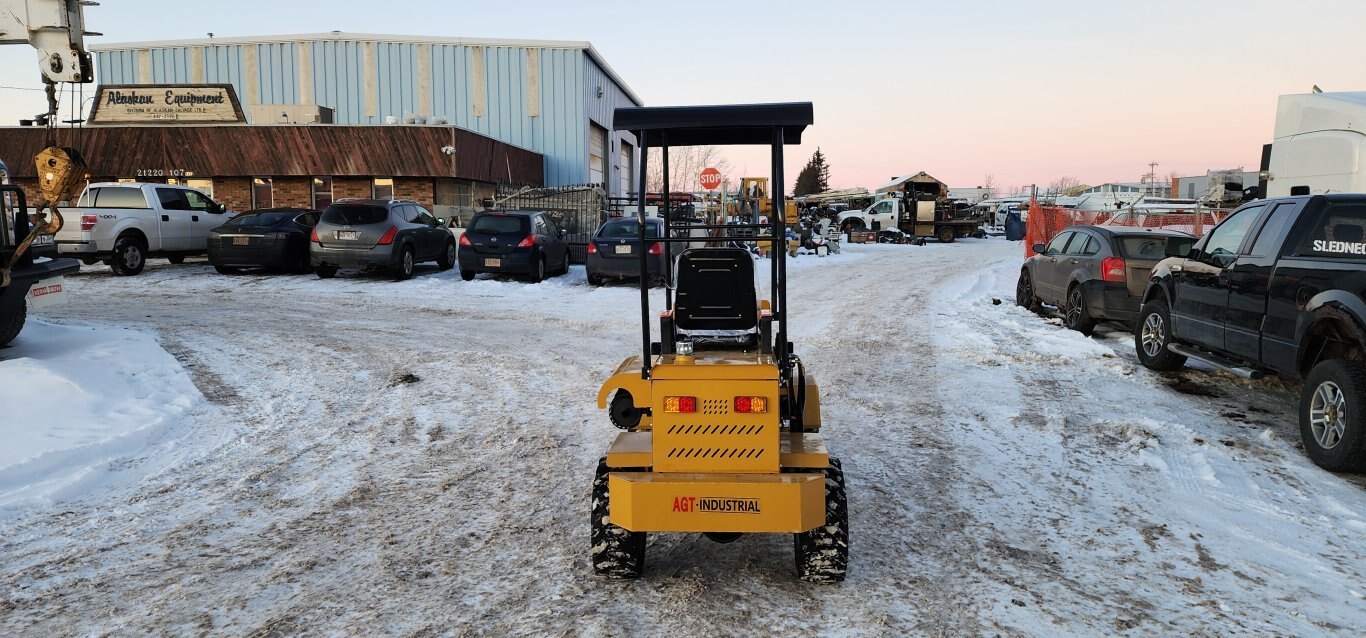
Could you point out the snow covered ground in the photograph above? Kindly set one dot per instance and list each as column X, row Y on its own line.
column 361, row 457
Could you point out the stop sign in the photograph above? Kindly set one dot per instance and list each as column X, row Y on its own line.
column 711, row 178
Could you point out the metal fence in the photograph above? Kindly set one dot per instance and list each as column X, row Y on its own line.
column 578, row 209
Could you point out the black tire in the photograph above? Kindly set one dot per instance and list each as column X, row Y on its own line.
column 538, row 274
column 851, row 224
column 1076, row 314
column 404, row 270
column 226, row 270
column 325, row 272
column 823, row 553
column 564, row 268
column 130, row 256
column 622, row 411
column 1334, row 390
column 9, row 328
column 595, row 280
column 617, row 552
column 467, row 275
column 1152, row 334
column 176, row 259
column 1025, row 296
column 447, row 259
column 945, row 234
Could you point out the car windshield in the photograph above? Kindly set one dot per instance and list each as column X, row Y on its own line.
column 259, row 219
column 627, row 229
column 499, row 224
column 1149, row 246
column 352, row 215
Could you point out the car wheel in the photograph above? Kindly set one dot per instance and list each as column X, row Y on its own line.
column 1332, row 422
column 1078, row 316
column 447, row 259
column 226, row 270
column 538, row 275
column 595, row 280
column 1152, row 335
column 129, row 257
column 176, row 259
column 405, row 265
column 325, row 272
column 10, row 329
column 1024, row 292
column 945, row 235
column 467, row 275
column 564, row 268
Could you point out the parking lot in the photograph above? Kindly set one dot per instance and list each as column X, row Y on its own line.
column 414, row 458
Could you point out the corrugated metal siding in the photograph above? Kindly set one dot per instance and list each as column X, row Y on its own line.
column 569, row 80
column 277, row 79
column 601, row 109
column 343, row 87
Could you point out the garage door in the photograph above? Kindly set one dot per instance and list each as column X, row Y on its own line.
column 597, row 154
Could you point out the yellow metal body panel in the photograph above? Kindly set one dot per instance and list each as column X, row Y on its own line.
column 645, row 502
column 803, row 450
column 716, row 365
column 811, row 410
column 631, row 449
column 715, row 438
column 636, row 450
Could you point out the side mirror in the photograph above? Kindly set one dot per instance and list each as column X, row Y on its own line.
column 1177, row 247
column 1038, row 248
column 440, row 221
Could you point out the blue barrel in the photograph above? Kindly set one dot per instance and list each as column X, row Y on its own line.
column 1015, row 227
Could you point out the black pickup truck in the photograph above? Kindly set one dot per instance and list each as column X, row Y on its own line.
column 1277, row 287
column 38, row 264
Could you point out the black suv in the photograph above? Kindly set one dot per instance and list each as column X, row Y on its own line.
column 522, row 242
column 1278, row 286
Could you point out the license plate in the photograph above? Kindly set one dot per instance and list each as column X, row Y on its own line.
column 493, row 263
column 42, row 240
column 350, row 235
column 241, row 241
column 624, row 249
column 48, row 292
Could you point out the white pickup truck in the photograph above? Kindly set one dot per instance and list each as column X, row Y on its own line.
column 124, row 223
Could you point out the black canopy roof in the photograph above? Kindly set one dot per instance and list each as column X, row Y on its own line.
column 716, row 124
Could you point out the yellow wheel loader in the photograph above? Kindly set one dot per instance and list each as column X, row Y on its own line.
column 721, row 422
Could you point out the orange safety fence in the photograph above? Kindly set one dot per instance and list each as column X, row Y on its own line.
column 1045, row 222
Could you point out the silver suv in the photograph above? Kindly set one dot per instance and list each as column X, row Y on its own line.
column 373, row 234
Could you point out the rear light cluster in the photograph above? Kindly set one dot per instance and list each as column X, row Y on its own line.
column 1112, row 269
column 657, row 248
column 592, row 248
column 684, row 405
column 388, row 237
column 88, row 222
column 528, row 242
column 314, row 237
column 464, row 239
column 754, row 405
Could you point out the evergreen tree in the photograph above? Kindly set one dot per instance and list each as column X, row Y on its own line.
column 814, row 177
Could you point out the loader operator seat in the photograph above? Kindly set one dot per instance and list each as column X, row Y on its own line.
column 715, row 290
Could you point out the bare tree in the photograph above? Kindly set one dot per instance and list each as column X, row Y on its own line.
column 989, row 183
column 1063, row 184
column 685, row 167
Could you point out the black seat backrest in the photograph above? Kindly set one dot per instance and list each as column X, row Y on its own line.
column 716, row 290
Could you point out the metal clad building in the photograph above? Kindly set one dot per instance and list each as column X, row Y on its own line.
column 552, row 97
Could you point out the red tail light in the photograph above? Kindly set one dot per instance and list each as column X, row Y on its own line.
column 314, row 237
column 88, row 222
column 1112, row 269
column 388, row 237
column 657, row 248
column 592, row 248
column 464, row 240
column 528, row 242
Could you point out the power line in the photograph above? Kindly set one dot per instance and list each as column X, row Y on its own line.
column 20, row 88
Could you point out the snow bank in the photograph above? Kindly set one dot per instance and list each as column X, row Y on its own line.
column 76, row 400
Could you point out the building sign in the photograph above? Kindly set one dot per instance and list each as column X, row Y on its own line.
column 166, row 104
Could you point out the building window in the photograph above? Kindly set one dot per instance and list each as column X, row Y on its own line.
column 322, row 192
column 202, row 185
column 383, row 188
column 262, row 192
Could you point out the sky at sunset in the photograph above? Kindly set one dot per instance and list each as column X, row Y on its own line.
column 1025, row 91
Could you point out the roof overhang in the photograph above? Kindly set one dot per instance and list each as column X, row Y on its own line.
column 716, row 125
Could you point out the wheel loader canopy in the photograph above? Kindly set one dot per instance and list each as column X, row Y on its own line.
column 716, row 290
column 717, row 125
